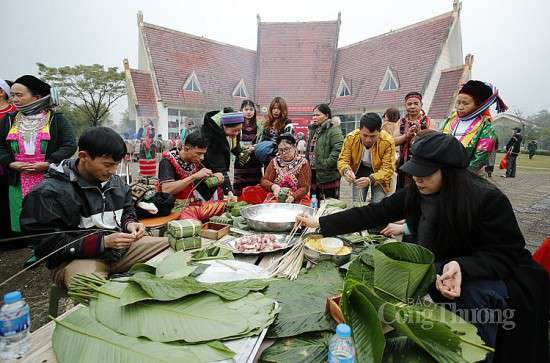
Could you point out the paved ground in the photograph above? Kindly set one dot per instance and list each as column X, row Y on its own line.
column 529, row 194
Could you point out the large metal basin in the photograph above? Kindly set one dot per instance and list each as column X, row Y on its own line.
column 274, row 217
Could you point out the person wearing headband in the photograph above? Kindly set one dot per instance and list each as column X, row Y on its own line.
column 483, row 266
column 471, row 123
column 222, row 131
column 31, row 139
column 414, row 120
column 182, row 174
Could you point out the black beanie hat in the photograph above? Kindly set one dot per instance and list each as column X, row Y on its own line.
column 478, row 90
column 433, row 152
column 35, row 85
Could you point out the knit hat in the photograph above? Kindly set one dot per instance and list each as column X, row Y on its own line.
column 478, row 90
column 35, row 85
column 433, row 152
column 232, row 118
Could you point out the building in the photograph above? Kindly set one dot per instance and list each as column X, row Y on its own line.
column 180, row 76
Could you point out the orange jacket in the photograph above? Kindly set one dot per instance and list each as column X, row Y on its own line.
column 382, row 156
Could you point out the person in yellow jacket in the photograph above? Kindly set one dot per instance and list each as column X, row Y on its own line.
column 367, row 159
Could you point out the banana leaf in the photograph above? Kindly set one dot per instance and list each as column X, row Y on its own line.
column 306, row 348
column 415, row 259
column 212, row 253
column 400, row 349
column 79, row 338
column 142, row 267
column 144, row 286
column 197, row 318
column 369, row 337
column 377, row 285
column 303, row 300
column 174, row 262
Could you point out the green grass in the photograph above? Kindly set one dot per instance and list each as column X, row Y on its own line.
column 538, row 161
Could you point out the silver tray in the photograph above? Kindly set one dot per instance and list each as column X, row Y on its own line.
column 274, row 217
column 279, row 237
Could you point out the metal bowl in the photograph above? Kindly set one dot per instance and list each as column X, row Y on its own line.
column 274, row 217
column 316, row 256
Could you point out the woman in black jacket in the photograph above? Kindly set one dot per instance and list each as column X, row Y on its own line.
column 480, row 254
column 31, row 139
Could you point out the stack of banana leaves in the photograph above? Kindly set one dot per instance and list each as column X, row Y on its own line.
column 383, row 300
column 161, row 313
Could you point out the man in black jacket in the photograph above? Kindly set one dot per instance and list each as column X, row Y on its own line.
column 222, row 131
column 513, row 148
column 84, row 197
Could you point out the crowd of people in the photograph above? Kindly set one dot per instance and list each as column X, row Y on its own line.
column 425, row 185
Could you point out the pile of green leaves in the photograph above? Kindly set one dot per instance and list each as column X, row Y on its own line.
column 384, row 285
column 161, row 313
column 193, row 319
column 80, row 338
column 303, row 300
column 303, row 327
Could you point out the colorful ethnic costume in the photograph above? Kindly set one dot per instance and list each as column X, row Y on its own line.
column 475, row 131
column 172, row 167
column 294, row 175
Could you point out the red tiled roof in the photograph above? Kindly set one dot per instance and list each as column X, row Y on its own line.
column 410, row 52
column 219, row 68
column 296, row 61
column 146, row 100
column 445, row 93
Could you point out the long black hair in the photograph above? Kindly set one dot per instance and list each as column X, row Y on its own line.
column 251, row 104
column 459, row 205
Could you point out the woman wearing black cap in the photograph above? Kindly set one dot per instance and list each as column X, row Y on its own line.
column 472, row 125
column 480, row 254
column 31, row 139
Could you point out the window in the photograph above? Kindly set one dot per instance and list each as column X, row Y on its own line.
column 192, row 84
column 343, row 89
column 240, row 90
column 389, row 82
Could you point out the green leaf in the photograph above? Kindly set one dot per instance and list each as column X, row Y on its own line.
column 402, row 270
column 142, row 267
column 172, row 263
column 365, row 325
column 213, row 253
column 197, row 318
column 400, row 349
column 161, row 289
column 306, row 348
column 409, row 252
column 387, row 280
column 473, row 348
column 433, row 336
column 79, row 338
column 303, row 300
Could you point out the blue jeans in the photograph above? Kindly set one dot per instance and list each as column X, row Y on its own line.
column 481, row 302
column 360, row 194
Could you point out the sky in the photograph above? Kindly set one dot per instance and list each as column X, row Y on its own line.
column 509, row 39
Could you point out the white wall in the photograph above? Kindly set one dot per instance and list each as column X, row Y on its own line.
column 451, row 56
column 162, row 122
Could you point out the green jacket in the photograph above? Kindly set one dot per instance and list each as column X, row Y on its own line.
column 327, row 151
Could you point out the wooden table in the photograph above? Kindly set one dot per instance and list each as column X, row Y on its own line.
column 41, row 339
